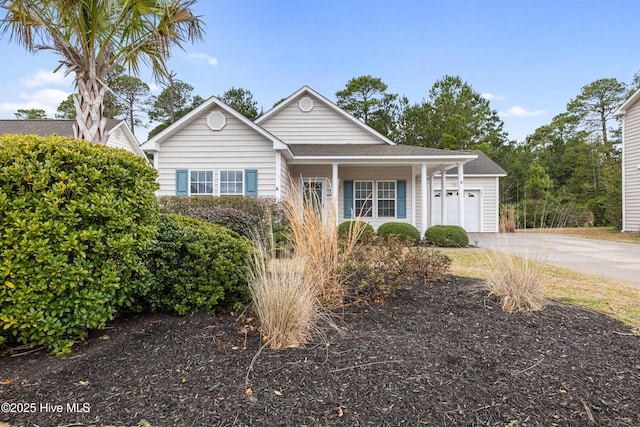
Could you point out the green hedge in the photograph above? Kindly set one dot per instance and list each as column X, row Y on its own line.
column 74, row 219
column 447, row 236
column 403, row 231
column 348, row 227
column 195, row 266
column 244, row 215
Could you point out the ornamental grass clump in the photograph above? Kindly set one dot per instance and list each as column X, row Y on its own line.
column 284, row 299
column 516, row 281
column 516, row 272
column 315, row 240
column 292, row 292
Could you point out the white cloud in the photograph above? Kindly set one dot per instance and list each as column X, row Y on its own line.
column 491, row 96
column 202, row 58
column 517, row 111
column 46, row 99
column 43, row 78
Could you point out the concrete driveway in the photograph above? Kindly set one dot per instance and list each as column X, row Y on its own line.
column 611, row 260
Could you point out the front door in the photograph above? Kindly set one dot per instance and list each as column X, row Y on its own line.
column 313, row 191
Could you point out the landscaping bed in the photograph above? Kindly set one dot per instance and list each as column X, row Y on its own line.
column 444, row 354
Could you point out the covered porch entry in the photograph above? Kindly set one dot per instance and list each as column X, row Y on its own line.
column 382, row 183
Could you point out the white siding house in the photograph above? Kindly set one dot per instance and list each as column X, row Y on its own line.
column 308, row 140
column 630, row 114
column 120, row 136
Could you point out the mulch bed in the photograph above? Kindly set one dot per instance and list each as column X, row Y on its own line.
column 443, row 355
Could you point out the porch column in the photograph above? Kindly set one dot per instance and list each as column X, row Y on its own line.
column 461, row 194
column 335, row 186
column 278, row 176
column 443, row 197
column 432, row 185
column 413, row 197
column 423, row 201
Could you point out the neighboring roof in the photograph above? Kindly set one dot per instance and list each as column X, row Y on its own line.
column 328, row 103
column 63, row 127
column 622, row 110
column 483, row 165
column 45, row 127
column 152, row 144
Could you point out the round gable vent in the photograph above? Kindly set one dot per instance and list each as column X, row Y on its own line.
column 216, row 120
column 305, row 104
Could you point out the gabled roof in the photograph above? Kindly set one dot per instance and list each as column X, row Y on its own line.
column 45, row 127
column 483, row 165
column 152, row 144
column 622, row 110
column 306, row 89
column 63, row 127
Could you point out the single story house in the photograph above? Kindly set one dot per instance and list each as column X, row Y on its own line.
column 120, row 136
column 214, row 150
column 629, row 112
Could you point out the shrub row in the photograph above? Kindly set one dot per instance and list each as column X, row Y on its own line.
column 246, row 216
column 79, row 239
column 439, row 235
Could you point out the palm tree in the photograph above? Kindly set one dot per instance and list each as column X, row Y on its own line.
column 95, row 36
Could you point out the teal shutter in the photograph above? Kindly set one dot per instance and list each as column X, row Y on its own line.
column 182, row 182
column 348, row 199
column 402, row 198
column 251, row 182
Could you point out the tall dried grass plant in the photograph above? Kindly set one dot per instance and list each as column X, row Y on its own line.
column 516, row 274
column 516, row 281
column 508, row 218
column 315, row 241
column 292, row 292
column 283, row 299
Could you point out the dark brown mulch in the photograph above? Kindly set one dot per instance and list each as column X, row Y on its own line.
column 443, row 355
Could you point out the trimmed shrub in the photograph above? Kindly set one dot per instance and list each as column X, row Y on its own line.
column 404, row 232
column 195, row 266
column 347, row 229
column 262, row 209
column 376, row 270
column 74, row 219
column 234, row 219
column 447, row 236
column 244, row 215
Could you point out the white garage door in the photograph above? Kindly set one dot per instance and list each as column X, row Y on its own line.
column 472, row 214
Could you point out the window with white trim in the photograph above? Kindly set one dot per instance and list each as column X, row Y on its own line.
column 386, row 200
column 363, row 198
column 231, row 183
column 201, row 183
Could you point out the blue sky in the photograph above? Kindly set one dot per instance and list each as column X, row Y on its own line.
column 530, row 58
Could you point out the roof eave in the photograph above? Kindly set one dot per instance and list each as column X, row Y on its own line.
column 384, row 159
column 622, row 110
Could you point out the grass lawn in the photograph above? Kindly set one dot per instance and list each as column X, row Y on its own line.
column 607, row 296
column 602, row 233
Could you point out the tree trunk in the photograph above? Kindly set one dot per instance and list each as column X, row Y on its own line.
column 90, row 122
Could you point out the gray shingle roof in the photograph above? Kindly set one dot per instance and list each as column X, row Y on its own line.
column 44, row 127
column 368, row 150
column 483, row 165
